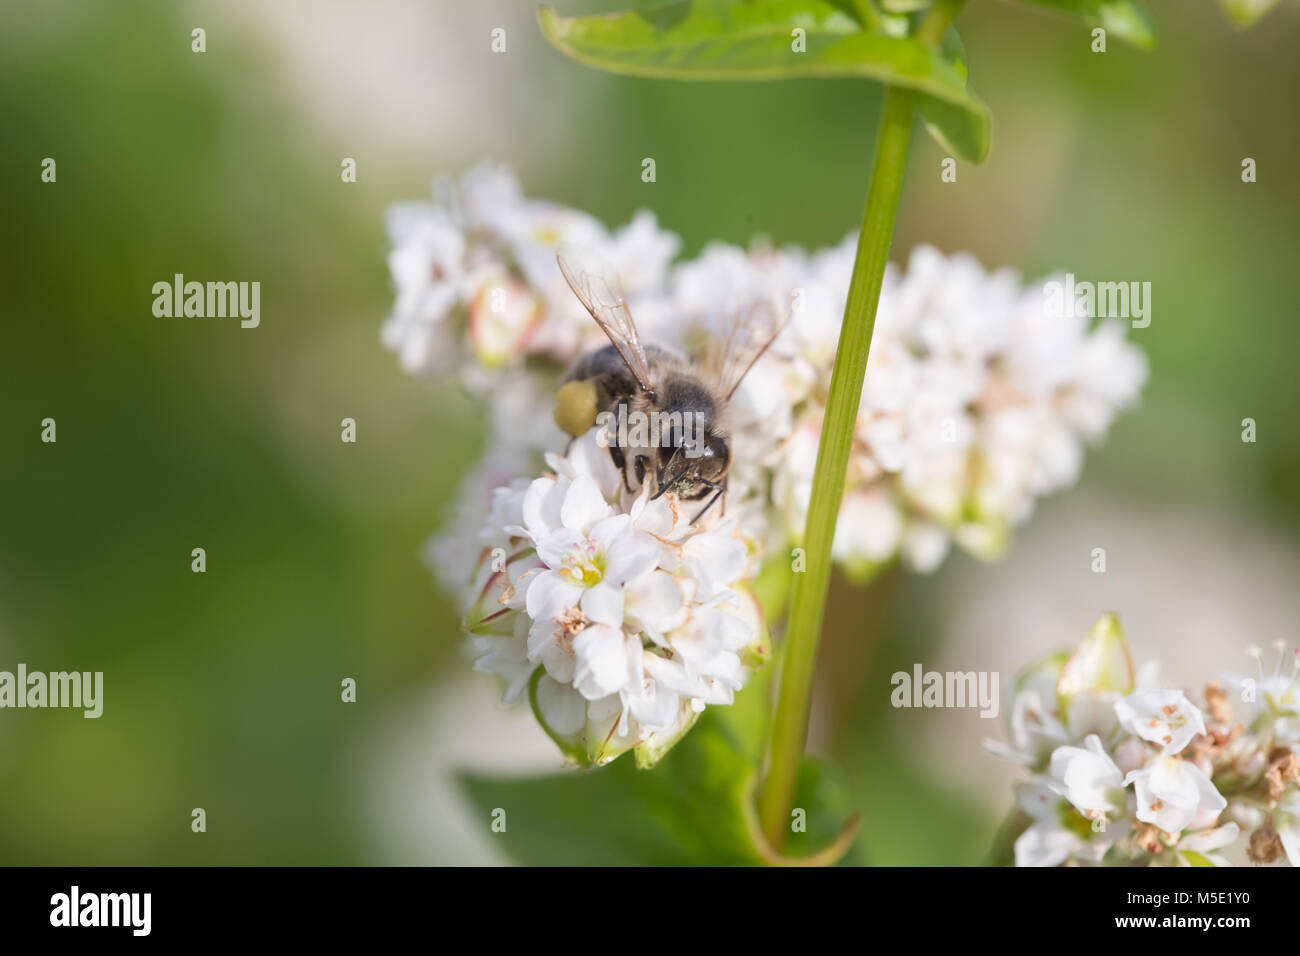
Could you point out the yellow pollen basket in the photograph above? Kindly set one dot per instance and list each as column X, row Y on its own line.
column 575, row 407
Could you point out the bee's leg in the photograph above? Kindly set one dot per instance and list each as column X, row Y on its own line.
column 660, row 471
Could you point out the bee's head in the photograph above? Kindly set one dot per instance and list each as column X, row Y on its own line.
column 696, row 466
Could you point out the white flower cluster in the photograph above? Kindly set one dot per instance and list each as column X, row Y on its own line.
column 620, row 618
column 1126, row 773
column 476, row 278
column 977, row 398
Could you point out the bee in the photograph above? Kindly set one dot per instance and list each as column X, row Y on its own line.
column 666, row 418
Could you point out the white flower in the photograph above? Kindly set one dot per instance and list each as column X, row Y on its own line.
column 1286, row 820
column 1194, row 848
column 634, row 616
column 977, row 399
column 589, row 554
column 1059, row 832
column 588, row 564
column 1271, row 700
column 1164, row 717
column 503, row 315
column 870, row 527
column 1174, row 794
column 487, row 200
column 1199, row 781
column 1035, row 731
column 427, row 266
column 1087, row 776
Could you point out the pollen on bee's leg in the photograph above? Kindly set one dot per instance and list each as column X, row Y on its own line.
column 575, row 407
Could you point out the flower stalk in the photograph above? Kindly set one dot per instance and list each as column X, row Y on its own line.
column 808, row 602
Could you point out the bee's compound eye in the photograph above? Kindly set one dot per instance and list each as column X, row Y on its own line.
column 718, row 449
column 575, row 407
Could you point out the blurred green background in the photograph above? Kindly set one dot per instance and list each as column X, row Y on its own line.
column 222, row 689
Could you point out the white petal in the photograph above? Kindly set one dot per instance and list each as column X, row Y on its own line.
column 550, row 595
column 583, row 504
column 630, row 557
column 603, row 604
column 1044, row 845
column 562, row 707
column 602, row 666
column 556, row 545
column 654, row 603
column 541, row 506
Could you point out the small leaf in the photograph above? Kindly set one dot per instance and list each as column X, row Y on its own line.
column 1246, row 13
column 1122, row 18
column 827, row 805
column 725, row 40
column 959, row 131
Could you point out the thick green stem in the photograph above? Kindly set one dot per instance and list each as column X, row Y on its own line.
column 790, row 720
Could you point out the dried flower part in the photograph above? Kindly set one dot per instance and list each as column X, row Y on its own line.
column 1283, row 771
column 1216, row 702
column 1265, row 845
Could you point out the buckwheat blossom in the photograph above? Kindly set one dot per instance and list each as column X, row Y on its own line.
column 978, row 399
column 1057, row 833
column 621, row 618
column 1167, row 782
column 475, row 278
column 617, row 619
column 1086, row 776
column 1165, row 717
column 1175, row 795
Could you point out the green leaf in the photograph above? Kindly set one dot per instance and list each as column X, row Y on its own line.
column 1246, row 13
column 687, row 811
column 860, row 10
column 726, row 40
column 690, row 810
column 822, row 795
column 1125, row 19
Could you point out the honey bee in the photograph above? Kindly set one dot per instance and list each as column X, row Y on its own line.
column 666, row 418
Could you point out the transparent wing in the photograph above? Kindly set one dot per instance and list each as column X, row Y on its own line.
column 597, row 286
column 749, row 333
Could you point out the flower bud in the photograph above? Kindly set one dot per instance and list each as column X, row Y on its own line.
column 1099, row 665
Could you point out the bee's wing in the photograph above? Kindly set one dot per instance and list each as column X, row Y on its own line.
column 748, row 334
column 597, row 286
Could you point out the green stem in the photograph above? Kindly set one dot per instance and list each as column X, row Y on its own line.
column 936, row 21
column 790, row 720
